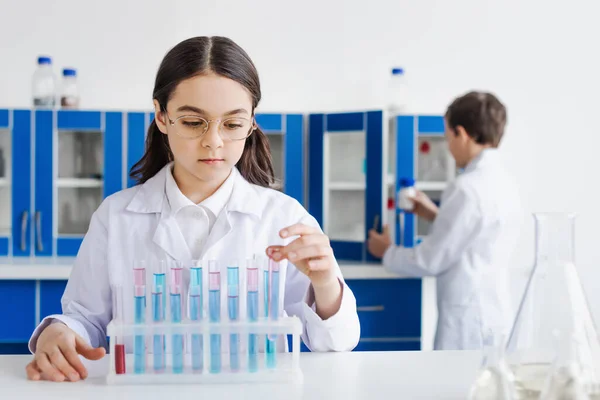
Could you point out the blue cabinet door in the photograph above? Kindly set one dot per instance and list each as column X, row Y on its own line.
column 17, row 307
column 408, row 130
column 346, row 174
column 136, row 136
column 51, row 293
column 43, row 217
column 21, row 183
column 290, row 128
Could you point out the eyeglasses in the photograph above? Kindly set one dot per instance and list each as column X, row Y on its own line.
column 230, row 129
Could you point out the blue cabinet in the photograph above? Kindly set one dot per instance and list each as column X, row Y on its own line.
column 69, row 161
column 18, row 310
column 390, row 313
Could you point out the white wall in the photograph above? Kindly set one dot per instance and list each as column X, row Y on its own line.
column 540, row 57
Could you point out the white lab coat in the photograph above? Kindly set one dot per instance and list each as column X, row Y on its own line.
column 136, row 224
column 469, row 249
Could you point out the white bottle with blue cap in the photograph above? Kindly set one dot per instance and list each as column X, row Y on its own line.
column 397, row 102
column 69, row 92
column 44, row 84
column 406, row 193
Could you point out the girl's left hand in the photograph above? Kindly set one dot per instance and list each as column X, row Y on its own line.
column 311, row 253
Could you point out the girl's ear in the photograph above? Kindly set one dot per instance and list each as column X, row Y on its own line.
column 160, row 117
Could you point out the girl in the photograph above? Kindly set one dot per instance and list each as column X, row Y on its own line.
column 204, row 193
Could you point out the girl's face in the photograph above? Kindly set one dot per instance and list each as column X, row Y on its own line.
column 215, row 110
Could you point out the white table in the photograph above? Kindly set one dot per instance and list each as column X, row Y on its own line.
column 357, row 375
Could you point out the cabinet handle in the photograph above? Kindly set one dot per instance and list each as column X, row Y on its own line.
column 38, row 228
column 24, row 220
column 370, row 308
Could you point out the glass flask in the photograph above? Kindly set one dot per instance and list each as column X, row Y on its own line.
column 553, row 301
column 495, row 380
column 567, row 378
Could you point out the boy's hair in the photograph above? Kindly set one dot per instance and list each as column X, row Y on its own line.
column 481, row 114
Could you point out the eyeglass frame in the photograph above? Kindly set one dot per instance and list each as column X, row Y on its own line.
column 208, row 121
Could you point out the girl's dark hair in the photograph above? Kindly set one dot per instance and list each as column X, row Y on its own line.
column 193, row 57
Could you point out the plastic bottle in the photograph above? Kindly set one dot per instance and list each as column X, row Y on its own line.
column 44, row 84
column 69, row 93
column 397, row 92
column 406, row 193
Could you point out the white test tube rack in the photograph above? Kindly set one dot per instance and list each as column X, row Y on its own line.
column 286, row 370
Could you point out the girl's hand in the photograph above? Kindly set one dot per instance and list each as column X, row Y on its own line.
column 57, row 355
column 311, row 253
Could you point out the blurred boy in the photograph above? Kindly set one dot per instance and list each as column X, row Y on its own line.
column 473, row 233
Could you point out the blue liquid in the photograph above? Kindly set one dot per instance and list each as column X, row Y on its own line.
column 158, row 342
column 234, row 338
column 272, row 312
column 177, row 339
column 214, row 310
column 197, row 342
column 139, row 346
column 253, row 338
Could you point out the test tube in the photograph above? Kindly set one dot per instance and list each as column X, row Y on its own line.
column 176, row 289
column 117, row 296
column 273, row 310
column 252, row 304
column 195, row 310
column 233, row 306
column 158, row 315
column 214, row 310
column 139, row 302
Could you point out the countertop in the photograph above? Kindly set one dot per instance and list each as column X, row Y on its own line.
column 354, row 375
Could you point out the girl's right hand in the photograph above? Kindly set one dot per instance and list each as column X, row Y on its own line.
column 57, row 355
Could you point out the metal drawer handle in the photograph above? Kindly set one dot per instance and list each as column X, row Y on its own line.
column 24, row 220
column 38, row 228
column 370, row 308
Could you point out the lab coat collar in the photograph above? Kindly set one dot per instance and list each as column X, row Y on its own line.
column 486, row 156
column 151, row 196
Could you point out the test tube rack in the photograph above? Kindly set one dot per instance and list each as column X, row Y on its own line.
column 287, row 368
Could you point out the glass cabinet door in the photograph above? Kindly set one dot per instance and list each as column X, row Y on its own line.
column 346, row 178
column 285, row 133
column 79, row 165
column 5, row 182
column 423, row 155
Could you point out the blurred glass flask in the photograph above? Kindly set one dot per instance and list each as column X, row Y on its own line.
column 553, row 301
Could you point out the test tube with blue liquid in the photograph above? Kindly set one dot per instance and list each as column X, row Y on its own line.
column 159, row 306
column 214, row 311
column 195, row 305
column 272, row 308
column 233, row 307
column 176, row 302
column 139, row 302
column 252, row 304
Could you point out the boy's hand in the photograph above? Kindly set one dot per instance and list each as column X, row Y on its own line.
column 424, row 207
column 378, row 243
column 57, row 355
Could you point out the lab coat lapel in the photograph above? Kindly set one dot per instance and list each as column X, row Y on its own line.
column 168, row 236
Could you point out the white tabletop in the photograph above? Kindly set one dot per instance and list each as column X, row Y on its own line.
column 357, row 375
